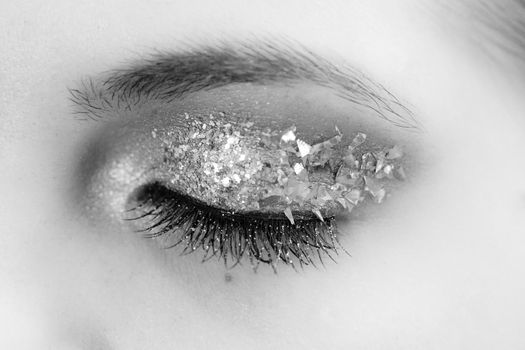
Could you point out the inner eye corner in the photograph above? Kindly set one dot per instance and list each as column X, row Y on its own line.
column 137, row 196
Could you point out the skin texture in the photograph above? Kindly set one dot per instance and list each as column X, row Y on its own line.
column 438, row 267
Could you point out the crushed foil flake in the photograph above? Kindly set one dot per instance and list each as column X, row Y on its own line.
column 289, row 215
column 358, row 140
column 394, row 153
column 239, row 167
column 298, row 168
column 304, row 148
column 317, row 212
column 289, row 135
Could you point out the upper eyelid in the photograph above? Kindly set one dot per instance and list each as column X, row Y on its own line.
column 168, row 76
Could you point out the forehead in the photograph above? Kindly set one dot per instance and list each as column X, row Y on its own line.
column 391, row 40
column 160, row 21
column 346, row 27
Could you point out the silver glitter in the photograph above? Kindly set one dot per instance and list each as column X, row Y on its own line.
column 240, row 168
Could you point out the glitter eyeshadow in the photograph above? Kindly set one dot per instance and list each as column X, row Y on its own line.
column 239, row 167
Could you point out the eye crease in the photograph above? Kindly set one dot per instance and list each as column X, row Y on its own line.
column 246, row 172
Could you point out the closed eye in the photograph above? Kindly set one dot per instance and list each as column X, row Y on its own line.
column 249, row 154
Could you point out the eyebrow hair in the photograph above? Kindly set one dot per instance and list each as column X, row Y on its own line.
column 504, row 26
column 166, row 77
column 496, row 27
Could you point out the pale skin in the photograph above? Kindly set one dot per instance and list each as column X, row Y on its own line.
column 440, row 267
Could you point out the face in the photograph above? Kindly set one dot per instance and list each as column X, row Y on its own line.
column 438, row 263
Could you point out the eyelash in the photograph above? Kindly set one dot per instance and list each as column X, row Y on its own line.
column 177, row 220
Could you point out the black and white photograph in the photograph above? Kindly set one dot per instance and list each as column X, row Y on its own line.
column 262, row 175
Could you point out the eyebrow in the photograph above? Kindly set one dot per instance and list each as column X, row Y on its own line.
column 496, row 27
column 168, row 76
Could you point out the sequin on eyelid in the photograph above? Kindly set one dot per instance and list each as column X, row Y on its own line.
column 239, row 167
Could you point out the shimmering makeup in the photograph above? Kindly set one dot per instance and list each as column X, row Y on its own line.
column 231, row 164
